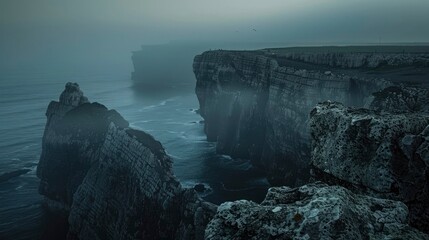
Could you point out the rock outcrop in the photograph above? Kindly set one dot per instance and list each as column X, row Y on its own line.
column 256, row 107
column 114, row 181
column 383, row 151
column 314, row 211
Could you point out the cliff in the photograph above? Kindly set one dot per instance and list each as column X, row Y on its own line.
column 115, row 182
column 256, row 105
column 382, row 151
column 361, row 60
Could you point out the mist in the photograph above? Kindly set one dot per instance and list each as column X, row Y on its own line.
column 137, row 119
column 47, row 34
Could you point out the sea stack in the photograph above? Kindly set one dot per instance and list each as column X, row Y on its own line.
column 114, row 182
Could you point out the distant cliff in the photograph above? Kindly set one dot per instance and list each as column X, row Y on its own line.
column 114, row 181
column 256, row 105
column 150, row 64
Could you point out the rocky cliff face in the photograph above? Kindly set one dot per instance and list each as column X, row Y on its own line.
column 115, row 182
column 362, row 60
column 383, row 151
column 314, row 211
column 258, row 108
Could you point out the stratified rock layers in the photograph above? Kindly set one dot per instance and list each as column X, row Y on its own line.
column 361, row 59
column 314, row 211
column 115, row 182
column 382, row 152
column 256, row 109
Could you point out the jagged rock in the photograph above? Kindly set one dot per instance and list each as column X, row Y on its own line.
column 314, row 211
column 257, row 108
column 115, row 182
column 72, row 95
column 400, row 99
column 376, row 152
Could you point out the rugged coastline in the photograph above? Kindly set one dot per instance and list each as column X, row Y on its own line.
column 257, row 105
column 351, row 170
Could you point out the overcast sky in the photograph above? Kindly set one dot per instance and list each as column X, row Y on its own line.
column 37, row 26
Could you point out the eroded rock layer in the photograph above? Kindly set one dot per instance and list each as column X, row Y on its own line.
column 361, row 59
column 115, row 182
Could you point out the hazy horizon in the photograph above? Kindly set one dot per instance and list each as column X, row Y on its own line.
column 79, row 32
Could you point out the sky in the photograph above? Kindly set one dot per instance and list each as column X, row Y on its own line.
column 31, row 29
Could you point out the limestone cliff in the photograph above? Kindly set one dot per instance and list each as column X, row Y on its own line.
column 114, row 181
column 382, row 151
column 313, row 211
column 362, row 59
column 256, row 106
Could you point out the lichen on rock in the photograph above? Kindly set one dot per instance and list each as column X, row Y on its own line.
column 313, row 211
column 381, row 152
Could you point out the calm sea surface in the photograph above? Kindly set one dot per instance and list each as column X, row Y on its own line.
column 169, row 116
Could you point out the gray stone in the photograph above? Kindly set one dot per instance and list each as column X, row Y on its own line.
column 313, row 211
column 376, row 152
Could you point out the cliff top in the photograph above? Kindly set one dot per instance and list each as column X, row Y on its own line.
column 352, row 49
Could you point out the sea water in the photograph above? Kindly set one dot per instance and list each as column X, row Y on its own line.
column 170, row 116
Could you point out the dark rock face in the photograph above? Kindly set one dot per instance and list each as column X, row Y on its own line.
column 314, row 211
column 115, row 182
column 200, row 187
column 382, row 152
column 257, row 108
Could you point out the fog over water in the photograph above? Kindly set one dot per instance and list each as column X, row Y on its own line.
column 46, row 43
column 81, row 33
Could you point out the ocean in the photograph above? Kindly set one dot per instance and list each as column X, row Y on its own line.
column 169, row 116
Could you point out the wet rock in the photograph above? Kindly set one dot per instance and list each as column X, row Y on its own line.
column 313, row 211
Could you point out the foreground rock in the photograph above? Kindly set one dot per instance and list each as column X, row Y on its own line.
column 314, row 211
column 382, row 152
column 115, row 182
column 256, row 107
